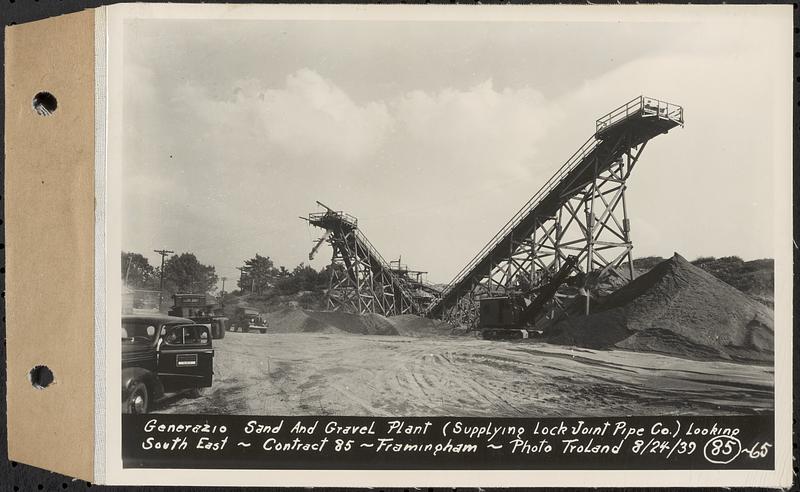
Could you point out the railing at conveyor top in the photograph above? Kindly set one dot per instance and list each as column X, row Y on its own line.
column 318, row 217
column 641, row 106
column 644, row 106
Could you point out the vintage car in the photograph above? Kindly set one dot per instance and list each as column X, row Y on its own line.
column 247, row 319
column 163, row 354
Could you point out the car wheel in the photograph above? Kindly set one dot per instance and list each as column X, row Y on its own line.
column 138, row 399
column 262, row 331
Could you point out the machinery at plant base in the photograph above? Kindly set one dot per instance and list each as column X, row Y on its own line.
column 508, row 317
column 202, row 309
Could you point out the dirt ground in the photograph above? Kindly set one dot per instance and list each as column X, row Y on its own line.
column 373, row 375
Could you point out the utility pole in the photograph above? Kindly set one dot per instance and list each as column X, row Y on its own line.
column 222, row 298
column 128, row 269
column 242, row 272
column 163, row 253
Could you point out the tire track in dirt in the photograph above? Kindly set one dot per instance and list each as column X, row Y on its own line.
column 455, row 385
column 312, row 374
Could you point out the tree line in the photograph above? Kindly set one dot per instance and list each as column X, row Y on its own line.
column 260, row 276
column 183, row 273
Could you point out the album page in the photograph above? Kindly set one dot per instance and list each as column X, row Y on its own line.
column 376, row 245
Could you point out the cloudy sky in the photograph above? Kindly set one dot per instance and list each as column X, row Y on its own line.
column 433, row 133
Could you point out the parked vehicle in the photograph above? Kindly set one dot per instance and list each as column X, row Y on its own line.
column 163, row 354
column 202, row 309
column 193, row 305
column 247, row 319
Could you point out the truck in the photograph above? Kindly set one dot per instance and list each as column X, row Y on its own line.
column 246, row 319
column 201, row 309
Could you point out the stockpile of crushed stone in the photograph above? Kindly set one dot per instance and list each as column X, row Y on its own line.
column 679, row 309
column 411, row 325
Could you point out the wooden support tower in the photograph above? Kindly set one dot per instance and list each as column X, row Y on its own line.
column 361, row 280
column 580, row 211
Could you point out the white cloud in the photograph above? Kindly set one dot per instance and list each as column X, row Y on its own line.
column 311, row 116
column 452, row 134
column 452, row 130
column 464, row 132
column 255, row 157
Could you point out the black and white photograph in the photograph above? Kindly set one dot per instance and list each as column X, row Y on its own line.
column 574, row 215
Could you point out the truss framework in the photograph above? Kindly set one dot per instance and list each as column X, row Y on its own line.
column 361, row 280
column 591, row 223
column 580, row 211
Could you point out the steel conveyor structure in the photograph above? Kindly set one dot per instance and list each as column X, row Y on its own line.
column 361, row 280
column 579, row 211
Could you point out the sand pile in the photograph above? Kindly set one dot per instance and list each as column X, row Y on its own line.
column 293, row 320
column 363, row 324
column 676, row 308
column 411, row 325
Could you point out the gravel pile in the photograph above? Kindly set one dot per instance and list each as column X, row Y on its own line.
column 679, row 309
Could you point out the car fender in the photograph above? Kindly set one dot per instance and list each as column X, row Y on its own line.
column 132, row 375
